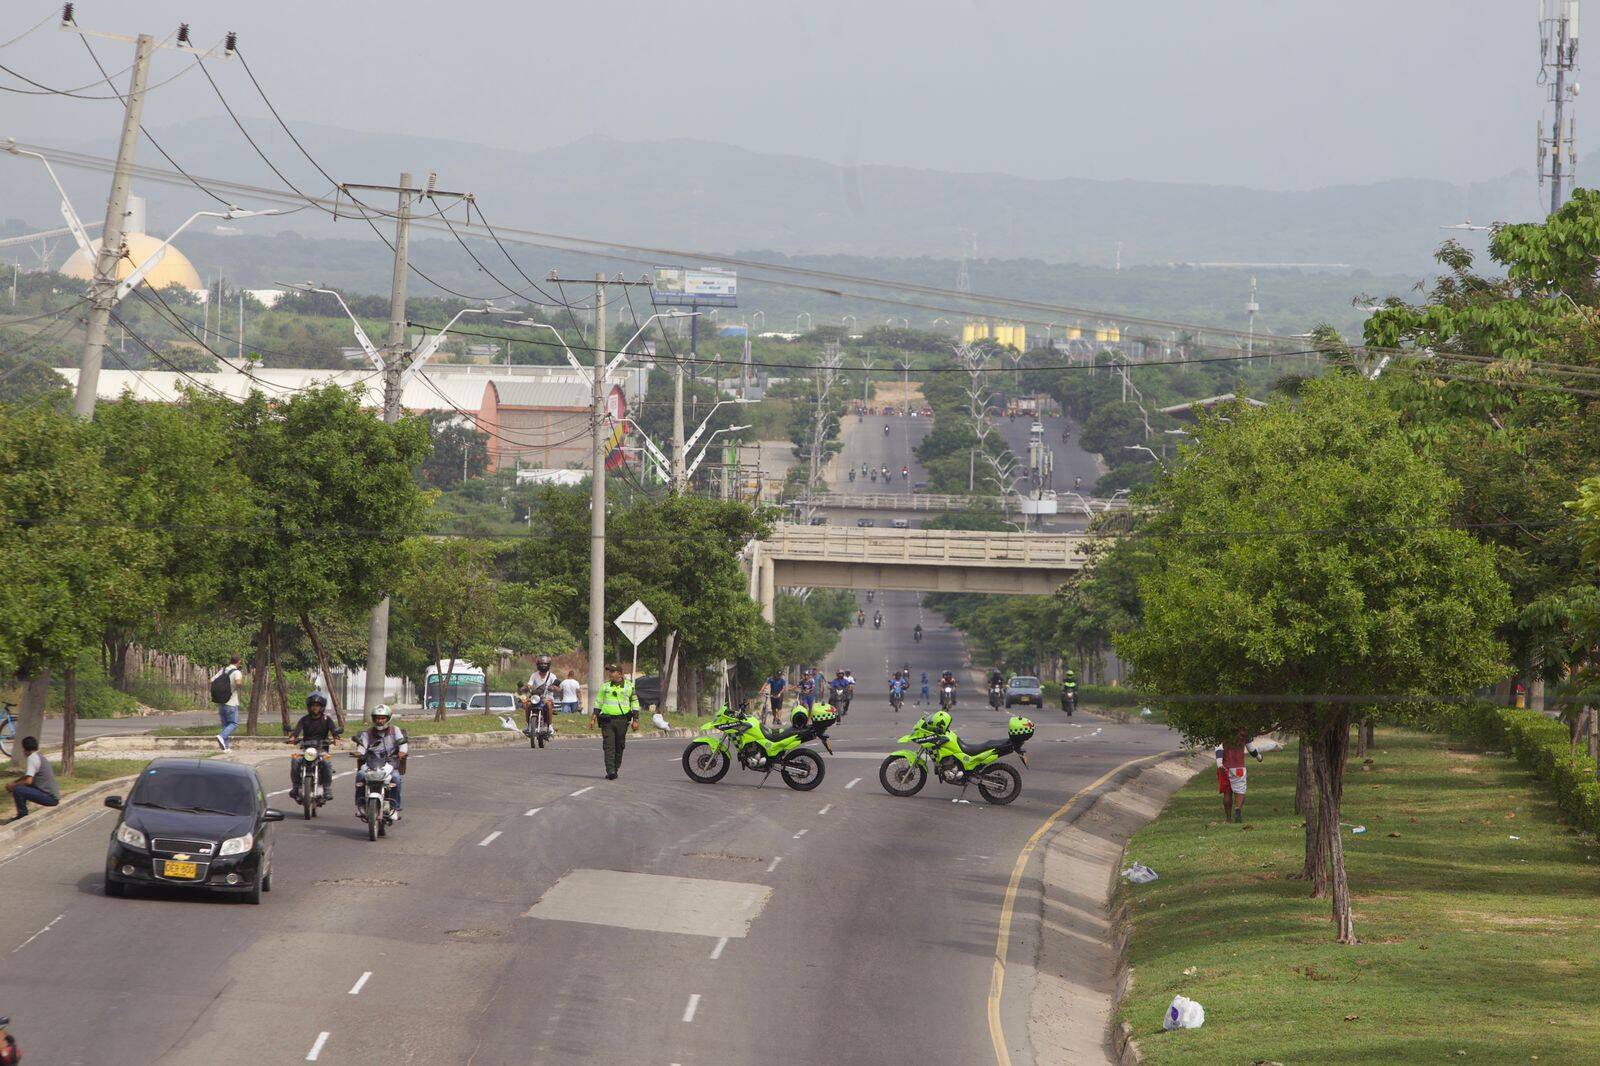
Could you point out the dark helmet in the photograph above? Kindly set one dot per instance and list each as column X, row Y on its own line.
column 316, row 702
column 544, row 662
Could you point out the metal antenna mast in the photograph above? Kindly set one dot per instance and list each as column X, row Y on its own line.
column 1558, row 58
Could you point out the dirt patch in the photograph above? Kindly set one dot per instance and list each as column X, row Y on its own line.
column 724, row 856
column 1463, row 769
column 1514, row 921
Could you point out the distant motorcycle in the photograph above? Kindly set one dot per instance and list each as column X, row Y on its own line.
column 312, row 793
column 997, row 695
column 916, row 635
column 877, row 621
column 885, row 430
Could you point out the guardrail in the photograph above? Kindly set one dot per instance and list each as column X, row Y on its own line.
column 938, row 501
column 944, row 547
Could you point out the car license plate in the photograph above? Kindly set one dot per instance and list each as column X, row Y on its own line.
column 185, row 870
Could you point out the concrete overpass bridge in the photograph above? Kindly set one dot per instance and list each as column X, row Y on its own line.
column 937, row 502
column 919, row 560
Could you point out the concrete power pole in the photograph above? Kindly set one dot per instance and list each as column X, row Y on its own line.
column 597, row 503
column 102, row 289
column 680, row 451
column 1558, row 56
column 378, row 630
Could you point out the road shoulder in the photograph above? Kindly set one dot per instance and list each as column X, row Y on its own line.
column 1077, row 977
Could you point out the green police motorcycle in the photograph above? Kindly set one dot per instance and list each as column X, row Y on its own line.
column 739, row 735
column 936, row 746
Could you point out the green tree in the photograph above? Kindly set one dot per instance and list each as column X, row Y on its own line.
column 459, row 452
column 1306, row 570
column 449, row 598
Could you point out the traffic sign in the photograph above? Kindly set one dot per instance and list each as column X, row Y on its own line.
column 636, row 622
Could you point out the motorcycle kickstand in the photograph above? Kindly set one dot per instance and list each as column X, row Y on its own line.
column 765, row 776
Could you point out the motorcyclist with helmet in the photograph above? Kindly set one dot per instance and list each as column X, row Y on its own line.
column 544, row 685
column 948, row 680
column 1069, row 690
column 314, row 727
column 389, row 739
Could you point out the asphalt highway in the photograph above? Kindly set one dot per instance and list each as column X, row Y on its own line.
column 528, row 911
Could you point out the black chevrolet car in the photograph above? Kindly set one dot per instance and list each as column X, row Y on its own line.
column 193, row 823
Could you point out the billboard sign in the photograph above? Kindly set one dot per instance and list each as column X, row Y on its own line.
column 695, row 286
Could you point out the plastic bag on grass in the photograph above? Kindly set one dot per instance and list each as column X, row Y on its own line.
column 1184, row 1013
column 1140, row 874
column 660, row 722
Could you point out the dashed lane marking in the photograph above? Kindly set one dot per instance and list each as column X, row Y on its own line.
column 853, row 782
column 825, row 810
column 531, row 812
column 694, row 1005
column 802, row 833
column 773, row 865
column 37, row 935
column 316, row 1048
column 582, row 790
column 716, row 952
column 486, row 841
column 355, row 989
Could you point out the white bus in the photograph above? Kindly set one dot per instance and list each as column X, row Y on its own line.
column 454, row 685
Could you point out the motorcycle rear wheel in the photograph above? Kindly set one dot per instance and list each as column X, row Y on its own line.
column 705, row 764
column 899, row 776
column 1008, row 789
column 802, row 770
column 374, row 816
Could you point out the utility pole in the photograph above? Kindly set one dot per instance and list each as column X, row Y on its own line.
column 102, row 287
column 1558, row 55
column 1250, row 309
column 680, row 450
column 378, row 629
column 597, row 503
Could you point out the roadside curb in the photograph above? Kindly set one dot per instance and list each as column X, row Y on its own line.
column 48, row 817
column 1081, row 973
column 426, row 741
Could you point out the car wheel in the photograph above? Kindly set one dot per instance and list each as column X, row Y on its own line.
column 266, row 881
column 115, row 889
column 253, row 895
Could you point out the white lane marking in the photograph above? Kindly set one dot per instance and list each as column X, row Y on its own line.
column 37, row 935
column 355, row 989
column 716, row 952
column 826, row 809
column 530, row 813
column 316, row 1048
column 854, row 783
column 581, row 791
column 773, row 865
column 280, row 792
column 694, row 1005
column 343, row 773
column 802, row 833
column 29, row 849
column 486, row 841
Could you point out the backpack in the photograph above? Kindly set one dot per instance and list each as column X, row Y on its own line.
column 222, row 686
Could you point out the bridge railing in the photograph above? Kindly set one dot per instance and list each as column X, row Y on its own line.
column 934, row 546
column 938, row 501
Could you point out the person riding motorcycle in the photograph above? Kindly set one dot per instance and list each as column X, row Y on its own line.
column 897, row 688
column 877, row 619
column 886, row 429
column 544, row 685
column 863, row 469
column 916, row 633
column 905, row 473
column 839, row 691
column 382, row 736
column 861, row 617
column 948, row 680
column 1069, row 690
column 314, row 727
column 852, row 474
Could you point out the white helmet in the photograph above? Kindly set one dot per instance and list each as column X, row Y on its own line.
column 380, row 711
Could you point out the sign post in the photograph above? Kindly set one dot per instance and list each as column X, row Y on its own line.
column 636, row 624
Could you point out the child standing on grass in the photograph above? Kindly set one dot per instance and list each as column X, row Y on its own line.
column 1231, row 775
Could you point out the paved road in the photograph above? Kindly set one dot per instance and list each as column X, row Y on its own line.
column 528, row 911
column 102, row 727
column 864, row 441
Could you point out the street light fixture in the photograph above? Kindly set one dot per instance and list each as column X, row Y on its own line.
column 707, row 449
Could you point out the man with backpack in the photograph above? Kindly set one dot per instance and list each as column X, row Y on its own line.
column 225, row 685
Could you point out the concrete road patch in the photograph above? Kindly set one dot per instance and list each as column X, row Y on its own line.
column 653, row 903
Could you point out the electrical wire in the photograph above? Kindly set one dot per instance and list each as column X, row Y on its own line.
column 41, row 24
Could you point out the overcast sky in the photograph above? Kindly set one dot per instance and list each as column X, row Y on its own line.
column 1283, row 95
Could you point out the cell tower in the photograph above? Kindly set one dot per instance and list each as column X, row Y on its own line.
column 1558, row 62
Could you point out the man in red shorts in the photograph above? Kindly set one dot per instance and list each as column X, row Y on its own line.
column 1231, row 775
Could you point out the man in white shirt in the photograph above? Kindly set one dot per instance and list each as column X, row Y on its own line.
column 569, row 694
column 228, row 706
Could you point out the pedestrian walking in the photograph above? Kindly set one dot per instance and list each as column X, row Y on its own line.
column 569, row 693
column 616, row 710
column 1231, row 778
column 225, row 685
column 37, row 783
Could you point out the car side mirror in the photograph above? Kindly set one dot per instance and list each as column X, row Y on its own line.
column 273, row 815
column 114, row 802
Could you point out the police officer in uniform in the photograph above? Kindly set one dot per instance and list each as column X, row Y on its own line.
column 616, row 710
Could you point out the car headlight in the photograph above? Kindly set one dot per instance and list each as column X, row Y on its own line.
column 130, row 836
column 237, row 846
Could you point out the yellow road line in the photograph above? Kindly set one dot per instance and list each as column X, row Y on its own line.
column 997, row 979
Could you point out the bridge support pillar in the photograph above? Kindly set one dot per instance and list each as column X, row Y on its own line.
column 768, row 590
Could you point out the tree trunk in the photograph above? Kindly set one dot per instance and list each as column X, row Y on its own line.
column 277, row 677
column 1580, row 728
column 1371, row 727
column 1328, row 761
column 69, row 721
column 31, row 722
column 121, row 669
column 1304, row 798
column 258, row 684
column 322, row 664
column 1361, row 739
column 1594, row 738
column 444, row 687
column 669, row 673
column 1305, row 804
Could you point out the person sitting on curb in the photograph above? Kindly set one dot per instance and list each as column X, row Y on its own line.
column 37, row 783
column 1231, row 775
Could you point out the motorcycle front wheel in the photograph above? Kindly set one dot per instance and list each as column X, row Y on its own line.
column 899, row 776
column 374, row 816
column 999, row 784
column 705, row 764
column 802, row 770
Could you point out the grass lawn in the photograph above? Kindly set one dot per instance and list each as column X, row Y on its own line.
column 89, row 772
column 421, row 725
column 1475, row 906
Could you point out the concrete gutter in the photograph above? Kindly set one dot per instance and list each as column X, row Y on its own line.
column 1081, row 975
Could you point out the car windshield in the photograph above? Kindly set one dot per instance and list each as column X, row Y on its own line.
column 194, row 790
column 1024, row 682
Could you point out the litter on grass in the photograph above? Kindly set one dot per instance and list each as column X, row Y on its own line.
column 660, row 722
column 1140, row 874
column 1184, row 1013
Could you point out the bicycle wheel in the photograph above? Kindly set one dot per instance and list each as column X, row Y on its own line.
column 8, row 733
